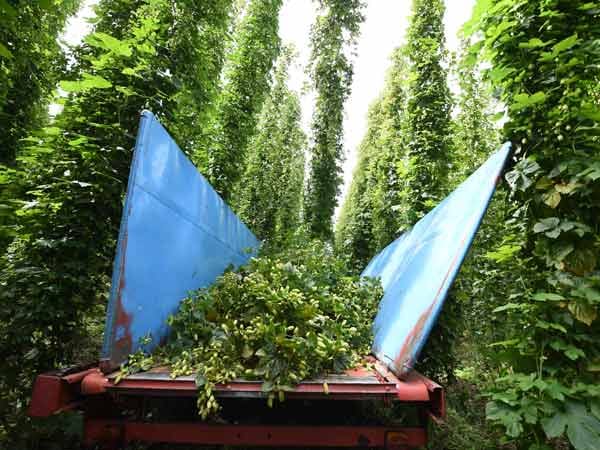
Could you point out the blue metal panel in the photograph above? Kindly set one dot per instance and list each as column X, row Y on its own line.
column 176, row 235
column 418, row 268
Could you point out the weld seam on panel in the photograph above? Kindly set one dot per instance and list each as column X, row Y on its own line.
column 168, row 204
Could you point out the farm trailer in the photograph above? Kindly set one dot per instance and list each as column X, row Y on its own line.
column 177, row 235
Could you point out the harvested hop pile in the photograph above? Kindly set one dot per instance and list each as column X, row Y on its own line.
column 282, row 318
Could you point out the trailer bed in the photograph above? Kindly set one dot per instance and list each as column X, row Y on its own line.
column 153, row 407
column 370, row 382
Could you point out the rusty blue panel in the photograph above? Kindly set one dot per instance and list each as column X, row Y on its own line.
column 176, row 235
column 418, row 268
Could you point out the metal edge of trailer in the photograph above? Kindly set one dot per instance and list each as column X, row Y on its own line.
column 55, row 392
column 120, row 432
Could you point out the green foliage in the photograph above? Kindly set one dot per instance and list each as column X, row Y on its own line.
column 74, row 172
column 31, row 62
column 353, row 231
column 284, row 317
column 403, row 159
column 336, row 28
column 403, row 163
column 271, row 188
column 369, row 220
column 246, row 87
column 464, row 427
column 427, row 114
column 474, row 135
column 545, row 67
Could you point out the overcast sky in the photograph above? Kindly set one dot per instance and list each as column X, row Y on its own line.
column 383, row 30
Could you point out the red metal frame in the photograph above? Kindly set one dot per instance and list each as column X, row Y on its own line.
column 56, row 392
column 121, row 432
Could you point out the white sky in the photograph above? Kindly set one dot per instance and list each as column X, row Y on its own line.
column 383, row 30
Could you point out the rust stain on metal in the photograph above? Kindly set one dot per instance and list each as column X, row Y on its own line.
column 404, row 360
column 122, row 343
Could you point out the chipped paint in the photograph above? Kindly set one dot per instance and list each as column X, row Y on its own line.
column 418, row 268
column 176, row 235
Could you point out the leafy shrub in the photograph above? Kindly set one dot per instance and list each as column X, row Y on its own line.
column 545, row 68
column 284, row 317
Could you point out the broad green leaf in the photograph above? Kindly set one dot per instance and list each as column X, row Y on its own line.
column 552, row 198
column 588, row 293
column 534, row 43
column 498, row 74
column 514, row 428
column 565, row 44
column 574, row 353
column 566, row 188
column 550, row 326
column 504, row 253
column 5, row 52
column 78, row 141
column 554, row 426
column 524, row 100
column 545, row 296
column 110, row 43
column 590, row 111
column 588, row 5
column 546, row 224
column 583, row 312
column 481, row 7
column 583, row 429
column 556, row 391
column 87, row 83
column 131, row 72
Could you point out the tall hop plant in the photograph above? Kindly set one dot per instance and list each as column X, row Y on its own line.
column 75, row 171
column 335, row 29
column 545, row 64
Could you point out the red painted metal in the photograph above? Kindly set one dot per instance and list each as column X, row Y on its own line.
column 55, row 392
column 78, row 376
column 270, row 436
column 51, row 394
column 94, row 383
column 437, row 397
column 411, row 391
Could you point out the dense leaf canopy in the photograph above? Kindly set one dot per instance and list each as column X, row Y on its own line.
column 545, row 64
column 335, row 29
column 520, row 325
column 271, row 188
column 247, row 77
column 57, row 270
column 287, row 316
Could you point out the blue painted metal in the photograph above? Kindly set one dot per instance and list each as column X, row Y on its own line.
column 176, row 235
column 418, row 268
